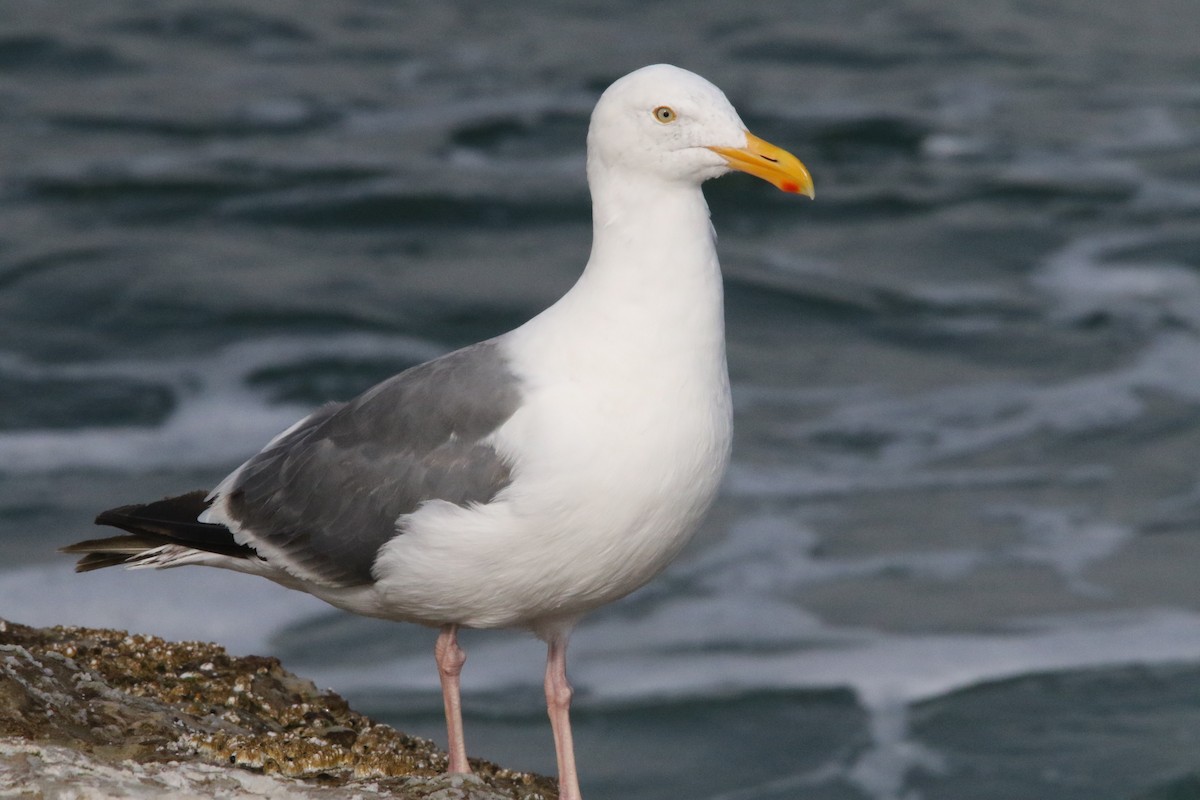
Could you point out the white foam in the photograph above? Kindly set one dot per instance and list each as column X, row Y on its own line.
column 237, row 611
column 218, row 419
column 917, row 433
column 1067, row 540
column 885, row 669
column 1088, row 276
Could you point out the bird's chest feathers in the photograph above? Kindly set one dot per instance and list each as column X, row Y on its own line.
column 631, row 439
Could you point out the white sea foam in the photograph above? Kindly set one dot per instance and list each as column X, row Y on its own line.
column 884, row 668
column 218, row 419
column 1067, row 540
column 237, row 611
column 919, row 432
column 1091, row 275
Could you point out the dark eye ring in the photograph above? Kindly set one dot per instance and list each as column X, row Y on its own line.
column 665, row 114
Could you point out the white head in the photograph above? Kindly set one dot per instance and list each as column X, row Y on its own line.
column 674, row 125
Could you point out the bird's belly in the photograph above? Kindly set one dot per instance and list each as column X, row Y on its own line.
column 595, row 511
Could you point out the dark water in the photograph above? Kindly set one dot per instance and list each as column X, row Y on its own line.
column 956, row 554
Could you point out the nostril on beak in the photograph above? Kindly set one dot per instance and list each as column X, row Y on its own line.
column 768, row 158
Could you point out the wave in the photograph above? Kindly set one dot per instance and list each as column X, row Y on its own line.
column 219, row 409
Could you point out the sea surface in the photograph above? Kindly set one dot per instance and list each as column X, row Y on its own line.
column 956, row 556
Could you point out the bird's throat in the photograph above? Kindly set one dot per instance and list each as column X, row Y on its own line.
column 653, row 270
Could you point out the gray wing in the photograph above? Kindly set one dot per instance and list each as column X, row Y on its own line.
column 329, row 492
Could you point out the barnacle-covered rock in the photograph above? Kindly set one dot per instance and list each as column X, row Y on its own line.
column 127, row 710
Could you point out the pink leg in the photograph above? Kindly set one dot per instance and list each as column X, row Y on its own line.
column 450, row 660
column 558, row 704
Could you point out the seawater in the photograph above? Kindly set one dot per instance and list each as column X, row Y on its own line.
column 956, row 553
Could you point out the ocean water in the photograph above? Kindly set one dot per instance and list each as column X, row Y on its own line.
column 956, row 554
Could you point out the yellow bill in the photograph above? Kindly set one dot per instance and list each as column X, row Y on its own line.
column 773, row 164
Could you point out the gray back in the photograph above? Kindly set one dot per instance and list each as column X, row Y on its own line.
column 328, row 494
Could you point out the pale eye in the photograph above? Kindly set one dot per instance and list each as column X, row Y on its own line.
column 665, row 114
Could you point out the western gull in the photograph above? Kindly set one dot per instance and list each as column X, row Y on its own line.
column 526, row 480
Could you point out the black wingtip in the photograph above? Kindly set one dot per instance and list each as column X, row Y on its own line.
column 113, row 515
column 184, row 508
column 170, row 521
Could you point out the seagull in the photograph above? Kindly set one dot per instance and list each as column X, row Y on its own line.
column 528, row 479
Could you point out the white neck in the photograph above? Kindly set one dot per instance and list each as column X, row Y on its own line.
column 653, row 279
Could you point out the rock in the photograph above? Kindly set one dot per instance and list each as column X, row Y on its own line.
column 129, row 715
